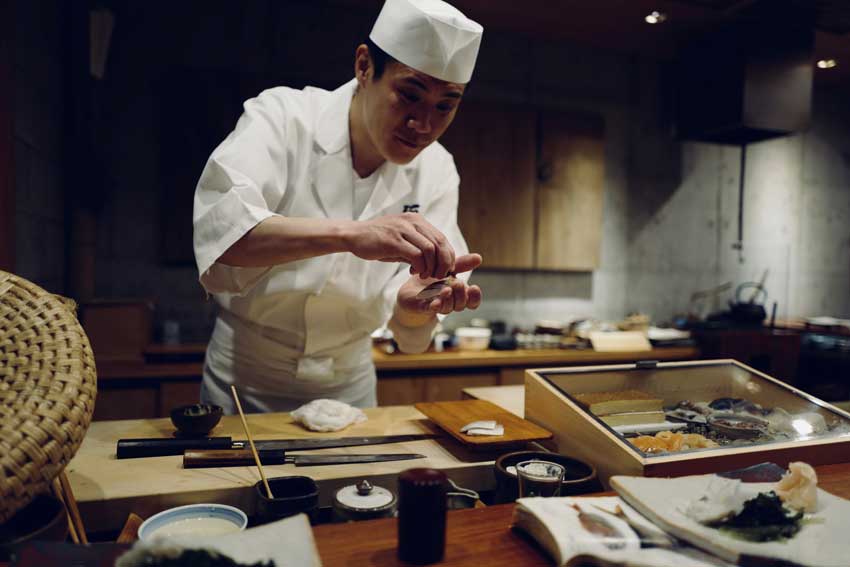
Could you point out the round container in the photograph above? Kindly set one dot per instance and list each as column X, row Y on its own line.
column 186, row 519
column 363, row 501
column 473, row 338
column 579, row 477
column 196, row 420
column 43, row 519
column 292, row 495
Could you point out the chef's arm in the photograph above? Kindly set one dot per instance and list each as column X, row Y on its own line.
column 414, row 318
column 280, row 240
column 407, row 237
column 412, row 332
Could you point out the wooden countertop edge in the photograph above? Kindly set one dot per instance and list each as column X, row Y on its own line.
column 118, row 369
column 465, row 359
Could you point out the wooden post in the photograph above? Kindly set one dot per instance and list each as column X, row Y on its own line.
column 7, row 171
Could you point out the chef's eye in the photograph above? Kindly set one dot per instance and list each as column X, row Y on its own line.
column 408, row 96
column 445, row 107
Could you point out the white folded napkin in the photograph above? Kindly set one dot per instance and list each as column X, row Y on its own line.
column 328, row 415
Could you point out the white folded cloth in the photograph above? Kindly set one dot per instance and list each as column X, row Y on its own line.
column 327, row 415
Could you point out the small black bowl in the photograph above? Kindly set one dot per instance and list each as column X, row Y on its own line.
column 292, row 495
column 579, row 476
column 196, row 420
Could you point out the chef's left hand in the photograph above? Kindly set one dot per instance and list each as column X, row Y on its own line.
column 455, row 297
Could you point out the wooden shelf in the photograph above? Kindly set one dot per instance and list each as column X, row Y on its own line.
column 522, row 357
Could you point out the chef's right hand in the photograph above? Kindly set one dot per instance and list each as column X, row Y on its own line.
column 407, row 237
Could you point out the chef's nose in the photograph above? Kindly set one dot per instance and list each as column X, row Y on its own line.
column 420, row 124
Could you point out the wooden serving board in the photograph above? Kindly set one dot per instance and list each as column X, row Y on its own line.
column 451, row 416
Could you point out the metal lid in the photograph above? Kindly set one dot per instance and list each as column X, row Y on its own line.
column 364, row 497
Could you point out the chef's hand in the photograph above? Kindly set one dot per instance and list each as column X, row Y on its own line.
column 407, row 237
column 458, row 296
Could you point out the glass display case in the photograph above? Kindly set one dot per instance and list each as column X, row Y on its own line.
column 671, row 419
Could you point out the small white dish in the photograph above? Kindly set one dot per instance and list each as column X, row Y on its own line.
column 195, row 520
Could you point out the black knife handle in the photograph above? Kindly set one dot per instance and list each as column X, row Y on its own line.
column 159, row 447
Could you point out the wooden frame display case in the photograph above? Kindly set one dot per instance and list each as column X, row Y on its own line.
column 802, row 427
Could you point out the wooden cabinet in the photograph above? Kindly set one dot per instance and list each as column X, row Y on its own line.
column 569, row 191
column 494, row 148
column 532, row 183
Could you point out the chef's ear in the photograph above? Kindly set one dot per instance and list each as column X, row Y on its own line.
column 363, row 67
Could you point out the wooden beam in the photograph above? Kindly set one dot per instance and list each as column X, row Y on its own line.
column 7, row 147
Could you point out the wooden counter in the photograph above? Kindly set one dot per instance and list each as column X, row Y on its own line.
column 108, row 489
column 476, row 537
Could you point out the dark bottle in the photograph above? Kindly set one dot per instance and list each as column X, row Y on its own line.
column 421, row 515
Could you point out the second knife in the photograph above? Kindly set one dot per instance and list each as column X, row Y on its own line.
column 240, row 458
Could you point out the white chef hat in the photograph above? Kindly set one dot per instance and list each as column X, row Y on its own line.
column 430, row 36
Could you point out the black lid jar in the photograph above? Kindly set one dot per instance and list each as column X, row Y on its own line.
column 422, row 515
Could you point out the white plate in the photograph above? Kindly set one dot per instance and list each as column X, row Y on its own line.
column 821, row 542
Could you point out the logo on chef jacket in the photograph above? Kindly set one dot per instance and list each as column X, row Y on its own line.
column 414, row 208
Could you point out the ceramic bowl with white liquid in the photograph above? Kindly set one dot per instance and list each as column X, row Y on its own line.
column 194, row 520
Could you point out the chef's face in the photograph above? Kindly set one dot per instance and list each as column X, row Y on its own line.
column 405, row 110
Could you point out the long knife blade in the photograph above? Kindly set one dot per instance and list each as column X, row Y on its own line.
column 161, row 447
column 243, row 457
column 308, row 444
column 342, row 459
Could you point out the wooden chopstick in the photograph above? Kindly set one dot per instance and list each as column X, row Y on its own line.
column 57, row 491
column 251, row 442
column 130, row 531
column 72, row 507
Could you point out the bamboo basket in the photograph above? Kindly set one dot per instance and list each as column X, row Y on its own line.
column 48, row 385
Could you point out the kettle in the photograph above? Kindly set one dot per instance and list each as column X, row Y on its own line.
column 748, row 313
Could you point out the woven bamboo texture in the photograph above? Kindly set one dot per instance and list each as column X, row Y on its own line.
column 47, row 391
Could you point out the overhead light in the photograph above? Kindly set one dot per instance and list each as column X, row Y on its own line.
column 655, row 17
column 827, row 63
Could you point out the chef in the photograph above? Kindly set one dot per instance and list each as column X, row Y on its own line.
column 323, row 215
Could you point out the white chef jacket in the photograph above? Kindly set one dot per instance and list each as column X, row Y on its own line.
column 294, row 332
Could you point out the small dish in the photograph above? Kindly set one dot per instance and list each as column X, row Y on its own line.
column 194, row 520
column 196, row 420
column 737, row 426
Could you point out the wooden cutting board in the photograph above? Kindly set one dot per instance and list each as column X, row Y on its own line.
column 451, row 416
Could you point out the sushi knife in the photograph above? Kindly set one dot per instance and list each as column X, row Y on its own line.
column 160, row 447
column 243, row 457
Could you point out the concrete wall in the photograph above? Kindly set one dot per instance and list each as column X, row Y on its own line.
column 38, row 137
column 796, row 220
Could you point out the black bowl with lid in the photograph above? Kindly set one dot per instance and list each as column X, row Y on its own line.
column 363, row 501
